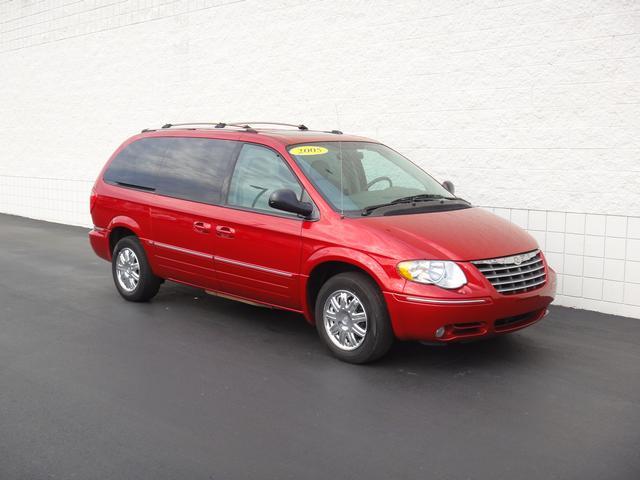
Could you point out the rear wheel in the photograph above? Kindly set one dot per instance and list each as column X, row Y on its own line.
column 352, row 318
column 131, row 271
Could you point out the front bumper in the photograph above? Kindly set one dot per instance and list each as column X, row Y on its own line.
column 414, row 317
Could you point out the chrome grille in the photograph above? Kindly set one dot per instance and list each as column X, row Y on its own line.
column 514, row 274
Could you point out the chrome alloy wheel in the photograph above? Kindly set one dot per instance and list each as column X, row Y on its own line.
column 128, row 269
column 345, row 320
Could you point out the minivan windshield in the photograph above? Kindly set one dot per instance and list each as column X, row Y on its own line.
column 358, row 177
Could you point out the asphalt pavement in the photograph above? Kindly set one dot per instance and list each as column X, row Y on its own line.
column 191, row 386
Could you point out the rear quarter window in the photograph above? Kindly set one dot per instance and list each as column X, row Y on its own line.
column 188, row 168
column 137, row 163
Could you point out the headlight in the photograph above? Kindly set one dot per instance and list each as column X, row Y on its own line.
column 442, row 273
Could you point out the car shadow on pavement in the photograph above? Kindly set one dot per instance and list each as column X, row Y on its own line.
column 276, row 326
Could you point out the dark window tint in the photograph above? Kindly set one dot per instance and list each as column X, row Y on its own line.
column 137, row 163
column 195, row 168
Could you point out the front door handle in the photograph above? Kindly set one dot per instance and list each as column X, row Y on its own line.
column 202, row 227
column 225, row 232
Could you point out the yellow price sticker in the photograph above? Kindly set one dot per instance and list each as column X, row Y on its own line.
column 308, row 150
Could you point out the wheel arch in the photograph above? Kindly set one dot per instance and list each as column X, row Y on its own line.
column 330, row 262
column 121, row 227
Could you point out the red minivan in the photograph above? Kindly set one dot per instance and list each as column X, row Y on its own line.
column 342, row 229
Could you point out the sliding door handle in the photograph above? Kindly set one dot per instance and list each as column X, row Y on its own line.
column 202, row 227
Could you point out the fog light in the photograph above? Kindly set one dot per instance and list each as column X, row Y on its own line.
column 440, row 332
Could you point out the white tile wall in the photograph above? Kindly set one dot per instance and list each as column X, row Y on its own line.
column 52, row 199
column 633, row 227
column 597, row 257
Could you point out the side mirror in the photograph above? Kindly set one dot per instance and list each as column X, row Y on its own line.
column 448, row 185
column 287, row 201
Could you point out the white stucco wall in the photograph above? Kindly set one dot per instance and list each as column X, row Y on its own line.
column 531, row 108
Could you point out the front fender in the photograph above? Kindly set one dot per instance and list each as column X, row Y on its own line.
column 380, row 270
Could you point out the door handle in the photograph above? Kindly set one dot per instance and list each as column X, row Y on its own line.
column 225, row 232
column 202, row 227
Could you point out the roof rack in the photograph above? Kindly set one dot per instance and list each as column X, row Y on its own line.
column 246, row 126
column 169, row 125
column 195, row 124
column 298, row 126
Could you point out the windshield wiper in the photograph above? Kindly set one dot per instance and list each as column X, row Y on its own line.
column 423, row 197
column 133, row 185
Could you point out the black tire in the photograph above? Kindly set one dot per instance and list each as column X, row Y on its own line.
column 148, row 283
column 379, row 335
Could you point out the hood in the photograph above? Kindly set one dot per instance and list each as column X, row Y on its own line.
column 463, row 235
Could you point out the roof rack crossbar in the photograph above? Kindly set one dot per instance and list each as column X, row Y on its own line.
column 169, row 125
column 247, row 124
column 215, row 125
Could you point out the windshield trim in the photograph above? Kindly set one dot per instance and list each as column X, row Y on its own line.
column 357, row 213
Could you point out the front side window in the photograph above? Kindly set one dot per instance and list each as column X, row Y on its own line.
column 260, row 171
column 355, row 176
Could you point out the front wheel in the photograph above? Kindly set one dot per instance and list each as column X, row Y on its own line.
column 352, row 318
column 131, row 271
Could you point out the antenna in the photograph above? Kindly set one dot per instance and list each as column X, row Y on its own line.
column 341, row 162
